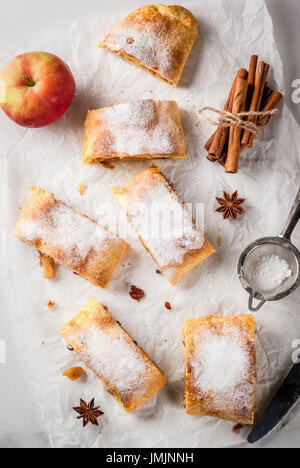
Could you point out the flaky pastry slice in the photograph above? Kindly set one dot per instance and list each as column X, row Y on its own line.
column 70, row 238
column 125, row 369
column 157, row 38
column 137, row 130
column 164, row 224
column 220, row 367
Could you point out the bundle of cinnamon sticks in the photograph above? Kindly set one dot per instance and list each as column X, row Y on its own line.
column 249, row 93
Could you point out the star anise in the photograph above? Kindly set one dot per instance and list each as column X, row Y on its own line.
column 88, row 412
column 230, row 205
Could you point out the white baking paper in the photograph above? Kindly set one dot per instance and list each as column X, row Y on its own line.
column 230, row 31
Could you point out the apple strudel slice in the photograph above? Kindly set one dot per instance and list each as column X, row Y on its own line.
column 70, row 238
column 220, row 367
column 142, row 129
column 163, row 223
column 157, row 38
column 125, row 369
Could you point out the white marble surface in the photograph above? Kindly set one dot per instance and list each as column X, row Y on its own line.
column 19, row 423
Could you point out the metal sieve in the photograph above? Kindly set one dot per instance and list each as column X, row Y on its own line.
column 280, row 246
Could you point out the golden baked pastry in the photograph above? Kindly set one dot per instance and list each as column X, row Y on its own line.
column 220, row 367
column 69, row 237
column 143, row 129
column 125, row 369
column 157, row 38
column 163, row 223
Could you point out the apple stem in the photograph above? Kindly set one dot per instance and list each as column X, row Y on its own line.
column 28, row 80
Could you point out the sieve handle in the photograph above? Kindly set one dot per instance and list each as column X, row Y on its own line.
column 292, row 219
column 259, row 305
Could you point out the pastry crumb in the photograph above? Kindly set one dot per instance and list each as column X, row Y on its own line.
column 107, row 165
column 168, row 305
column 81, row 188
column 219, row 241
column 74, row 373
column 51, row 304
column 237, row 428
column 47, row 263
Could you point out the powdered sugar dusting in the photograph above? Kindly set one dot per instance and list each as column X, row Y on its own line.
column 111, row 356
column 165, row 224
column 270, row 272
column 145, row 44
column 139, row 127
column 221, row 367
column 62, row 228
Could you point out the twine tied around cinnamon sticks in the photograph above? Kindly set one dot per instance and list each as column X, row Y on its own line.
column 250, row 105
column 228, row 119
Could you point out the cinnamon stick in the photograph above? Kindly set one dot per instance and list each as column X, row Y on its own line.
column 211, row 157
column 222, row 159
column 251, row 80
column 215, row 149
column 270, row 105
column 259, row 86
column 239, row 102
column 261, row 91
column 209, row 141
column 222, row 133
column 224, row 136
column 266, row 95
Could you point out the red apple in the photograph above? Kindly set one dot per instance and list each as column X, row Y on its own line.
column 36, row 89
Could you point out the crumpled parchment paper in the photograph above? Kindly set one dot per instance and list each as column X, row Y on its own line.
column 230, row 32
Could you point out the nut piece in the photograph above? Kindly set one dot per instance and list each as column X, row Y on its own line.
column 168, row 305
column 49, row 266
column 74, row 373
column 136, row 293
